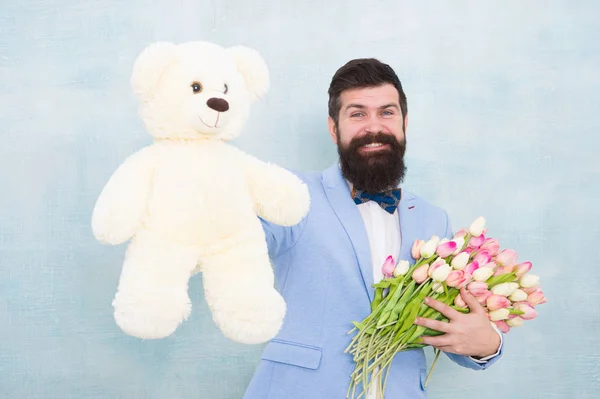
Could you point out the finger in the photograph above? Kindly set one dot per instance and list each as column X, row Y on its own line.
column 442, row 308
column 437, row 342
column 434, row 324
column 471, row 301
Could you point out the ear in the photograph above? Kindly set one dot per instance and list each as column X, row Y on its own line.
column 253, row 68
column 332, row 129
column 148, row 68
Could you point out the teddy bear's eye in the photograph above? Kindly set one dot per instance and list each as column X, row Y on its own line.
column 226, row 89
column 196, row 87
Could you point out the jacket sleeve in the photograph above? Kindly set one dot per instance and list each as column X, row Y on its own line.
column 280, row 239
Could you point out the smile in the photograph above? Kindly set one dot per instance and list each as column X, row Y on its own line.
column 373, row 147
column 207, row 125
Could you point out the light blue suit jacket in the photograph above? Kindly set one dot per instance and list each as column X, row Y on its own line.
column 323, row 270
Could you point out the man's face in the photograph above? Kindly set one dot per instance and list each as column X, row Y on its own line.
column 370, row 137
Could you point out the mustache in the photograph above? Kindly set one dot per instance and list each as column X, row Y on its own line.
column 379, row 137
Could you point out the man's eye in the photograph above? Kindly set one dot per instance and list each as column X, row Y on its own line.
column 356, row 114
column 196, row 87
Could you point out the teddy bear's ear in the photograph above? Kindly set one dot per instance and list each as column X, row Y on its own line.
column 148, row 68
column 253, row 68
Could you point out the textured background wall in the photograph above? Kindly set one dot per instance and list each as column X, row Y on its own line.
column 503, row 100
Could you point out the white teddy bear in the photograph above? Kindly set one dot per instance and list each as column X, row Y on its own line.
column 189, row 201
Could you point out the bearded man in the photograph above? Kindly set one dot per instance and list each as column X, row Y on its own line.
column 326, row 265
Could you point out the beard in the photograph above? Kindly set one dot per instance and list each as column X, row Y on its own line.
column 375, row 171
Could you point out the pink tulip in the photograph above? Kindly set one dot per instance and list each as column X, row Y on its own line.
column 502, row 270
column 457, row 278
column 482, row 257
column 416, row 249
column 502, row 326
column 388, row 266
column 494, row 302
column 460, row 233
column 507, row 258
column 468, row 250
column 536, row 297
column 522, row 269
column 476, row 242
column 482, row 299
column 420, row 273
column 471, row 267
column 491, row 245
column 477, row 288
column 446, row 249
column 529, row 312
column 460, row 302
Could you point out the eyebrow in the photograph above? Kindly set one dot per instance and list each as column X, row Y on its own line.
column 360, row 106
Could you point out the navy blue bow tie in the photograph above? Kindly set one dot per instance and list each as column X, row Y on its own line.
column 387, row 200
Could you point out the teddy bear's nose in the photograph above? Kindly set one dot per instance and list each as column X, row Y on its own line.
column 218, row 104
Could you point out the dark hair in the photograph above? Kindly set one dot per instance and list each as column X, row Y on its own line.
column 360, row 73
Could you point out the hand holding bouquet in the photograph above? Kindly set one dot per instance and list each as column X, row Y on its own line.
column 506, row 290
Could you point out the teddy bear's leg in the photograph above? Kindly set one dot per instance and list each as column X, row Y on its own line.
column 152, row 297
column 239, row 289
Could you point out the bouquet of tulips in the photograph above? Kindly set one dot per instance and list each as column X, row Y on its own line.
column 507, row 291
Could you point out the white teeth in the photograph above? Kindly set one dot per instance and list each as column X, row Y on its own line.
column 374, row 145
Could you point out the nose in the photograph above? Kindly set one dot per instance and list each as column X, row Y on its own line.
column 373, row 125
column 218, row 104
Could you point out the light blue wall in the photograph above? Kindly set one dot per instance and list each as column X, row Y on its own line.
column 503, row 104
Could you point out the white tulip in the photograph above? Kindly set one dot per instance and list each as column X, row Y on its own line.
column 529, row 280
column 460, row 242
column 401, row 268
column 499, row 314
column 504, row 289
column 460, row 261
column 518, row 296
column 439, row 288
column 428, row 249
column 515, row 322
column 483, row 273
column 441, row 273
column 477, row 226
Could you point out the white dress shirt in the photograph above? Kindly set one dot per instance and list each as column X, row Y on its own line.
column 383, row 231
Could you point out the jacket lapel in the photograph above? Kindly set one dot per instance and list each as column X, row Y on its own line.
column 410, row 229
column 339, row 197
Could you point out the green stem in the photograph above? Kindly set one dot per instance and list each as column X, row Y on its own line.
column 437, row 355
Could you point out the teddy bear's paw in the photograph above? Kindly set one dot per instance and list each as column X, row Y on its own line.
column 297, row 203
column 252, row 319
column 151, row 317
column 288, row 205
column 111, row 232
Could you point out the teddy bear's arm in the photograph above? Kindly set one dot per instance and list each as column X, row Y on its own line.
column 279, row 196
column 121, row 203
